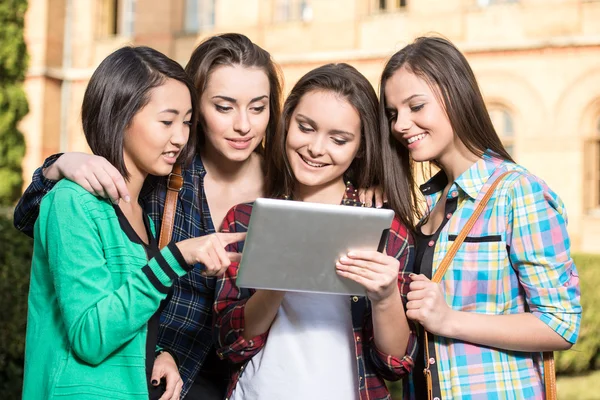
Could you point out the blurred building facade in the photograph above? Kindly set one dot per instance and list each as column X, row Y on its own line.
column 537, row 62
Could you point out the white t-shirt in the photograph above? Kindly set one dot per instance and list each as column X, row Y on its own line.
column 309, row 353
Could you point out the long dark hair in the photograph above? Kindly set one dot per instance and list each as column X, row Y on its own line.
column 236, row 49
column 438, row 62
column 118, row 89
column 346, row 82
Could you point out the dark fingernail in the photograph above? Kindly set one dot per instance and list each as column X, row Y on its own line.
column 411, row 274
column 154, row 382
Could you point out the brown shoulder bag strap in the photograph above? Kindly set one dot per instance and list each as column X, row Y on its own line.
column 174, row 184
column 549, row 370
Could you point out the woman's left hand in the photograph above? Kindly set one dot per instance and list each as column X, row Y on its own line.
column 367, row 195
column 427, row 305
column 165, row 367
column 376, row 272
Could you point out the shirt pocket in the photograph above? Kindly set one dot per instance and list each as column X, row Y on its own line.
column 480, row 274
column 120, row 376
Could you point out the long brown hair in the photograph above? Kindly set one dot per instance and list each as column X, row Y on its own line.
column 346, row 82
column 438, row 62
column 235, row 49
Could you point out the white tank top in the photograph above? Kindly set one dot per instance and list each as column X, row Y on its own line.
column 309, row 353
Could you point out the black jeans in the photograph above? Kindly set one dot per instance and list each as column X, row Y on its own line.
column 207, row 389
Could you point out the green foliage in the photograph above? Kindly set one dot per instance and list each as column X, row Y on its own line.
column 585, row 355
column 13, row 102
column 15, row 264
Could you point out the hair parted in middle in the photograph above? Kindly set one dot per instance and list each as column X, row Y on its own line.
column 346, row 82
column 230, row 49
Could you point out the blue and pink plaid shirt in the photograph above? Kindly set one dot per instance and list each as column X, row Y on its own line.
column 516, row 259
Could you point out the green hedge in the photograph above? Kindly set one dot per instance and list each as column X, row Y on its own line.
column 585, row 355
column 15, row 262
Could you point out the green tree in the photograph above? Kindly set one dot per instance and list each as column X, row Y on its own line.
column 13, row 102
column 15, row 261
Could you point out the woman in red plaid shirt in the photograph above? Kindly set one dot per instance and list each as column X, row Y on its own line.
column 321, row 346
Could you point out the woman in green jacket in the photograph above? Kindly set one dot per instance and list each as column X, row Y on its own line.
column 98, row 277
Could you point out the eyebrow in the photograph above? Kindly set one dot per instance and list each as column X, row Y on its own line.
column 411, row 97
column 333, row 131
column 173, row 111
column 232, row 100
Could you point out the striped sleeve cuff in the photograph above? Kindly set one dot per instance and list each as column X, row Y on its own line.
column 165, row 267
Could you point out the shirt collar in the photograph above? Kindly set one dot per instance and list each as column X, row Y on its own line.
column 351, row 196
column 196, row 167
column 471, row 181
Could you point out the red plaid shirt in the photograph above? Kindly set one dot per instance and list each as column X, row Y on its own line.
column 373, row 366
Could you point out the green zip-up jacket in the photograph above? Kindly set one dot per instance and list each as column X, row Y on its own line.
column 91, row 295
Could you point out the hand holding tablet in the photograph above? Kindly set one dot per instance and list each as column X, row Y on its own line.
column 294, row 246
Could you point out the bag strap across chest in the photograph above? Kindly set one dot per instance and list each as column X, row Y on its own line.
column 549, row 368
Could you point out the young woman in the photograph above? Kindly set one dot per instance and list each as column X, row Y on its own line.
column 98, row 277
column 512, row 290
column 239, row 90
column 294, row 345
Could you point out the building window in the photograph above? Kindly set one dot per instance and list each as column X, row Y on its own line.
column 592, row 165
column 106, row 24
column 127, row 21
column 115, row 18
column 388, row 5
column 485, row 3
column 505, row 127
column 292, row 10
column 199, row 15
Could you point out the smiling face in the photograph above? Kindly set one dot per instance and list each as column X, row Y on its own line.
column 159, row 131
column 235, row 110
column 418, row 119
column 324, row 136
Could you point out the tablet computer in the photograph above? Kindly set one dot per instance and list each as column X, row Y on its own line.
column 294, row 245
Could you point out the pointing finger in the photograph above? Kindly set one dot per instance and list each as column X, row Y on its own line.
column 229, row 238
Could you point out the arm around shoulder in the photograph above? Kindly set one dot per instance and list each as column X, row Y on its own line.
column 28, row 208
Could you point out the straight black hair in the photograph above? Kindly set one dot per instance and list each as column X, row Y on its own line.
column 118, row 89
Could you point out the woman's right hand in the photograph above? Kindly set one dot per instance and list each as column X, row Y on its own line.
column 94, row 173
column 210, row 251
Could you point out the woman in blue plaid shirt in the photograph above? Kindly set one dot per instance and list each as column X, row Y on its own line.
column 512, row 290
